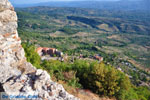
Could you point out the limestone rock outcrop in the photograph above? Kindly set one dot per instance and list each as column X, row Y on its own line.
column 17, row 76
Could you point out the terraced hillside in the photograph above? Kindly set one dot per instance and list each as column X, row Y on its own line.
column 125, row 33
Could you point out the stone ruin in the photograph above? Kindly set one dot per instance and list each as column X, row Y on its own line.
column 17, row 76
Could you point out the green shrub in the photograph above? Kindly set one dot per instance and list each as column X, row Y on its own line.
column 31, row 54
column 100, row 79
column 103, row 79
column 143, row 92
column 61, row 71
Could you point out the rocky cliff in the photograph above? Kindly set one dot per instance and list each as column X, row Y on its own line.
column 17, row 76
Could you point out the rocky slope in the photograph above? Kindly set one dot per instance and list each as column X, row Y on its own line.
column 17, row 76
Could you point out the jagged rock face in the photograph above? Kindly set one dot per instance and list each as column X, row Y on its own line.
column 12, row 59
column 17, row 76
column 38, row 83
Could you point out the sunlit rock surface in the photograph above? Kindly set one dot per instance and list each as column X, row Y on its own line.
column 17, row 76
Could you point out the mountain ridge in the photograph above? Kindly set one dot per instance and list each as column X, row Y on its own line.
column 108, row 5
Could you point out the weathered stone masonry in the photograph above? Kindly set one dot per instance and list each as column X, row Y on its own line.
column 17, row 76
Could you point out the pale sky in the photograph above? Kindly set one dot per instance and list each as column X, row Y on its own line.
column 38, row 1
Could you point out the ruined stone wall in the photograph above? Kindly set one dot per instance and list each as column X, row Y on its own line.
column 16, row 74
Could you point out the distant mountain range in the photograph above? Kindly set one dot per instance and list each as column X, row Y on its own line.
column 108, row 5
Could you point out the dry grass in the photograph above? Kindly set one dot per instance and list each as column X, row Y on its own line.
column 138, row 65
column 114, row 37
column 107, row 28
column 83, row 94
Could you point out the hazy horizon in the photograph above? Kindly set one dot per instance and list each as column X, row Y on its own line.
column 113, row 4
column 42, row 1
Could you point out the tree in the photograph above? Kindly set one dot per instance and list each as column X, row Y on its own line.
column 124, row 84
column 99, row 78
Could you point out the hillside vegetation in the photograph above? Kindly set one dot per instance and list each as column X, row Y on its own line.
column 99, row 78
column 125, row 33
column 120, row 37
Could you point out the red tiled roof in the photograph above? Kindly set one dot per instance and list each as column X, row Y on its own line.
column 39, row 49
